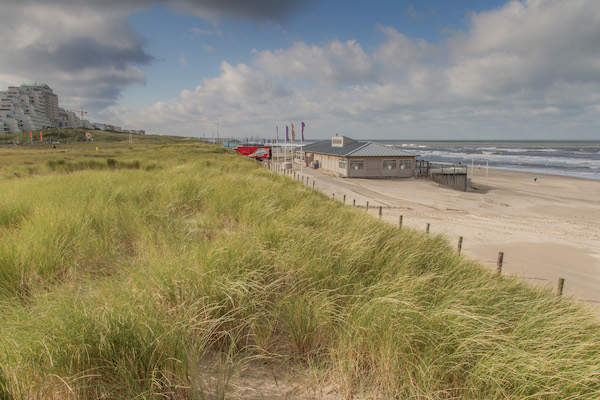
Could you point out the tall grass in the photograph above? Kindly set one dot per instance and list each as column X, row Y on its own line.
column 126, row 283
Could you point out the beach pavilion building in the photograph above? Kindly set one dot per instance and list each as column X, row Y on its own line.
column 351, row 158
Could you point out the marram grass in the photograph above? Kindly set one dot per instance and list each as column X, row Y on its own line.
column 126, row 283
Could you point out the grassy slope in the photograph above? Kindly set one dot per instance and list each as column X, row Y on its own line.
column 123, row 282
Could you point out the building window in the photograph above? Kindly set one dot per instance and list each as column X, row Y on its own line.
column 356, row 165
column 342, row 164
column 389, row 164
column 405, row 164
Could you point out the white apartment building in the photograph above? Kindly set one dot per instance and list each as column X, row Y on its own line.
column 33, row 107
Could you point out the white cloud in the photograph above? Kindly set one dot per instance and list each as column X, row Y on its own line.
column 399, row 51
column 196, row 32
column 530, row 45
column 87, row 56
column 530, row 67
column 88, row 51
column 336, row 63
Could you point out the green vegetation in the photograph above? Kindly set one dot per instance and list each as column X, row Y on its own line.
column 70, row 136
column 174, row 268
column 73, row 153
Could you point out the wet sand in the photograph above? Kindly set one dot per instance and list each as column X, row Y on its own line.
column 547, row 229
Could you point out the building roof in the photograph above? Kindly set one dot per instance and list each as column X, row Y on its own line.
column 325, row 147
column 355, row 149
column 378, row 150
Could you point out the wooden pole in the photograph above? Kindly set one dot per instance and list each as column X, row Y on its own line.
column 460, row 240
column 499, row 263
column 354, row 202
column 344, row 199
column 313, row 184
column 427, row 227
column 380, row 211
column 367, row 205
column 333, row 196
column 561, row 286
column 400, row 221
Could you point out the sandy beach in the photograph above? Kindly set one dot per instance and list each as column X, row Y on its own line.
column 547, row 228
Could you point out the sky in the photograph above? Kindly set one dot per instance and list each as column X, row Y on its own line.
column 432, row 69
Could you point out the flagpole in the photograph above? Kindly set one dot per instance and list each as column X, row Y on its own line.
column 302, row 125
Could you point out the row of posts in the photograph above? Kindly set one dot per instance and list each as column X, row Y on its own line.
column 499, row 262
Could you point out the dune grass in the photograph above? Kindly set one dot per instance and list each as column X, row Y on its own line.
column 163, row 282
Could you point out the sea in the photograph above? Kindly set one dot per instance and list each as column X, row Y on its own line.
column 568, row 158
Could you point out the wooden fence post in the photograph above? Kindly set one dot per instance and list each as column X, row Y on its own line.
column 313, row 184
column 367, row 205
column 380, row 211
column 400, row 221
column 344, row 199
column 460, row 240
column 333, row 196
column 354, row 203
column 499, row 263
column 561, row 285
column 427, row 227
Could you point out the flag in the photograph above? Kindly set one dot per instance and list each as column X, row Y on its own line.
column 293, row 133
column 287, row 135
column 303, row 125
column 40, row 136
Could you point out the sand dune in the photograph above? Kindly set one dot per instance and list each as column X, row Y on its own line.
column 547, row 228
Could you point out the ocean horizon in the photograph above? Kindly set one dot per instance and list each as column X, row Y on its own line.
column 579, row 158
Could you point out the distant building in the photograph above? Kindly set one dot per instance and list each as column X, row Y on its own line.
column 350, row 158
column 112, row 128
column 28, row 107
column 31, row 108
column 35, row 107
column 69, row 119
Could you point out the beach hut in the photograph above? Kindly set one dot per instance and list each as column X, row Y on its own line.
column 351, row 158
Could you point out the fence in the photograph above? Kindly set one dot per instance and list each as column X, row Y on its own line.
column 453, row 177
column 427, row 228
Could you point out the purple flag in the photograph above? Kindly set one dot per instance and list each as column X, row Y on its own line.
column 303, row 125
column 287, row 136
